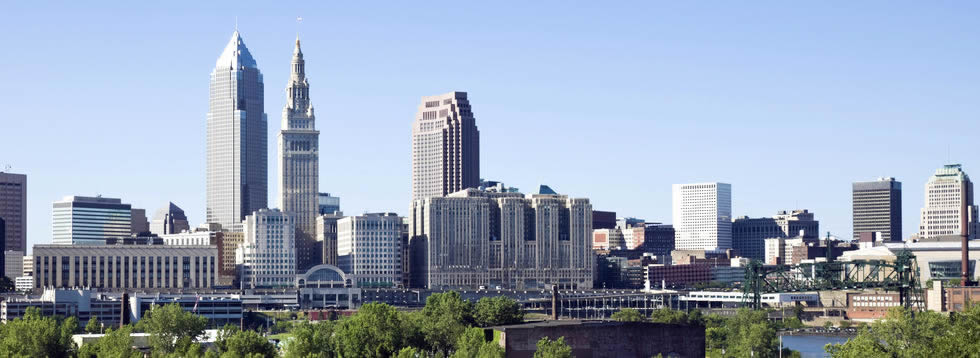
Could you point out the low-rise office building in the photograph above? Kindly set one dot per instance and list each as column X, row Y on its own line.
column 122, row 267
column 268, row 255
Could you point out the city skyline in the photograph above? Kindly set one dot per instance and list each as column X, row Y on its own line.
column 506, row 116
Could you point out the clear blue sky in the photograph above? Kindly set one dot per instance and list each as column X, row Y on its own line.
column 789, row 102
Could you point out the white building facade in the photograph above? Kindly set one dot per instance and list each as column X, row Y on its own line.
column 702, row 215
column 369, row 249
column 945, row 192
column 267, row 256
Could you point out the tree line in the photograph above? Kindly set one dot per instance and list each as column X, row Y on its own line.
column 447, row 326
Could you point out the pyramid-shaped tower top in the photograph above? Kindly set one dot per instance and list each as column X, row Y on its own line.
column 297, row 52
column 236, row 54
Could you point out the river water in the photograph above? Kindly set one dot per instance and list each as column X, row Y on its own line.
column 811, row 346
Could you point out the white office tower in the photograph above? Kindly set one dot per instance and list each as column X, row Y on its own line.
column 237, row 152
column 369, row 249
column 445, row 146
column 702, row 216
column 299, row 151
column 268, row 254
column 945, row 192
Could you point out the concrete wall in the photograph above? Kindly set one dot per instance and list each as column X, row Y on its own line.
column 607, row 339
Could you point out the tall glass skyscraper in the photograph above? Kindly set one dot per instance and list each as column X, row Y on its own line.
column 237, row 182
column 82, row 220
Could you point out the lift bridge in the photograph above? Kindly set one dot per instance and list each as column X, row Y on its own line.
column 900, row 275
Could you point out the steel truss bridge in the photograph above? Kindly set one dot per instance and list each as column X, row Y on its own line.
column 900, row 275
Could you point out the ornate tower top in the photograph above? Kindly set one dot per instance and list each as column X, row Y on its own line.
column 299, row 109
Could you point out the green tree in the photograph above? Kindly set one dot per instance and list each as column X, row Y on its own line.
column 748, row 333
column 34, row 335
column 372, row 332
column 115, row 343
column 844, row 324
column 925, row 334
column 667, row 315
column 628, row 315
column 695, row 317
column 221, row 339
column 963, row 333
column 412, row 334
column 171, row 328
column 446, row 315
column 93, row 325
column 496, row 311
column 793, row 323
column 249, row 344
column 408, row 352
column 553, row 349
column 312, row 340
column 473, row 344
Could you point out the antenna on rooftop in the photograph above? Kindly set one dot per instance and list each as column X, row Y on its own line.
column 299, row 20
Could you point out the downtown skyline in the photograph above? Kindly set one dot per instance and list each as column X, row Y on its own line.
column 778, row 151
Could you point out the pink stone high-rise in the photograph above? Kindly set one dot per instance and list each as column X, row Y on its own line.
column 445, row 146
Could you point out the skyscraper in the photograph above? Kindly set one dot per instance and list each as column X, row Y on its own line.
column 877, row 207
column 237, row 162
column 702, row 216
column 445, row 146
column 13, row 209
column 945, row 191
column 170, row 219
column 82, row 220
column 749, row 234
column 298, row 151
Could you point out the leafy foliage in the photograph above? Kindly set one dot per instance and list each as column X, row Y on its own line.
column 171, row 329
column 373, row 332
column 93, row 325
column 922, row 334
column 496, row 311
column 248, row 343
column 474, row 344
column 748, row 333
column 548, row 348
column 115, row 343
column 37, row 336
column 446, row 316
column 312, row 340
column 667, row 315
column 408, row 352
column 628, row 315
